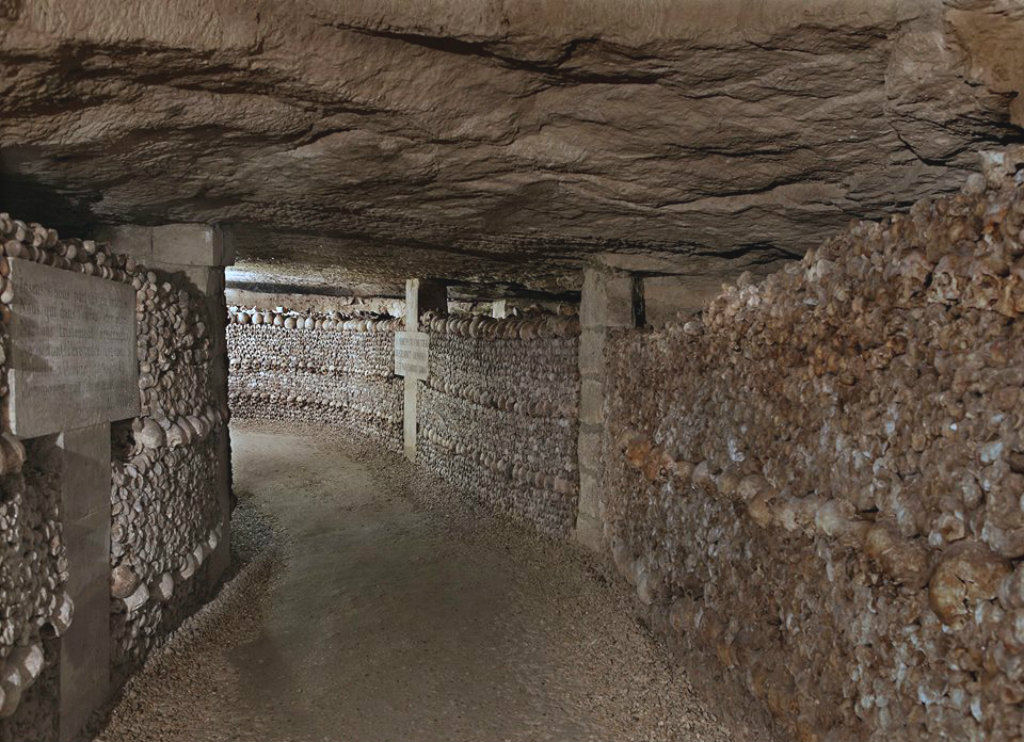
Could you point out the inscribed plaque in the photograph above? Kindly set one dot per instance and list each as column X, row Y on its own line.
column 412, row 354
column 72, row 358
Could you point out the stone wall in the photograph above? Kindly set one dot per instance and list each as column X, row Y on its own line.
column 820, row 479
column 165, row 499
column 498, row 416
column 322, row 369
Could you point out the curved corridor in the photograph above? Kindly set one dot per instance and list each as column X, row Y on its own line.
column 378, row 606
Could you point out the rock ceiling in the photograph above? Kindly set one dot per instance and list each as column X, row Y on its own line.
column 499, row 141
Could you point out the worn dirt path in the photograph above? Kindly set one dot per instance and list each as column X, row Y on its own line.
column 375, row 606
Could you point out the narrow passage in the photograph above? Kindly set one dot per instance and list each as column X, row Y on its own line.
column 376, row 605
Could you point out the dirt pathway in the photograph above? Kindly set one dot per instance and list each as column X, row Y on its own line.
column 379, row 608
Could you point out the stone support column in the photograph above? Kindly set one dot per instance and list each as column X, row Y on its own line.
column 610, row 300
column 85, row 509
column 421, row 296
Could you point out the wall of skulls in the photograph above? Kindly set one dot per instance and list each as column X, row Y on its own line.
column 317, row 368
column 164, row 494
column 34, row 604
column 820, row 478
column 498, row 416
column 166, row 507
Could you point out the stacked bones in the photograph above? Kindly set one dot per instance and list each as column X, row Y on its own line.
column 498, row 416
column 821, row 479
column 164, row 495
column 166, row 506
column 322, row 368
column 34, row 603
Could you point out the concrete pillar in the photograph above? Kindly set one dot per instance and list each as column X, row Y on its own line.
column 201, row 252
column 499, row 309
column 421, row 296
column 610, row 300
column 85, row 507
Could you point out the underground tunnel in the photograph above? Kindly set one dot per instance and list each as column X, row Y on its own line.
column 512, row 370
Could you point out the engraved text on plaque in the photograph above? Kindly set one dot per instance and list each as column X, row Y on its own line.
column 412, row 354
column 72, row 350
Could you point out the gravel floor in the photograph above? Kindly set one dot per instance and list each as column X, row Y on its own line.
column 372, row 603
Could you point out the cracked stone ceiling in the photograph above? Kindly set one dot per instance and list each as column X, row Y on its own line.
column 499, row 142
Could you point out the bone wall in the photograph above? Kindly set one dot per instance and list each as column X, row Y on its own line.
column 820, row 479
column 34, row 603
column 498, row 417
column 322, row 369
column 165, row 490
column 168, row 509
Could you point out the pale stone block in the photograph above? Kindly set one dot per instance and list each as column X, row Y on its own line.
column 592, row 344
column 591, row 401
column 621, row 299
column 84, row 663
column 590, row 532
column 608, row 299
column 409, row 426
column 129, row 239
column 85, row 503
column 590, row 445
column 174, row 245
column 215, row 284
column 229, row 245
column 590, row 494
column 592, row 299
column 188, row 244
column 85, row 487
column 72, row 350
column 666, row 296
column 412, row 355
column 412, row 305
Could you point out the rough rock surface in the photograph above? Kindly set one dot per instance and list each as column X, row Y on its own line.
column 501, row 140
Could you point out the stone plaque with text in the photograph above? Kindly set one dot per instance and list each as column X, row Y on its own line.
column 412, row 354
column 72, row 358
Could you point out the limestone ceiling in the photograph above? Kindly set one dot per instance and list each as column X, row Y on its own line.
column 499, row 141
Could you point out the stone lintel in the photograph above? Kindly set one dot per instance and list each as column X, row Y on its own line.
column 172, row 246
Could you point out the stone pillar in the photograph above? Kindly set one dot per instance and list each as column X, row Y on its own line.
column 420, row 296
column 85, row 508
column 499, row 309
column 610, row 300
column 201, row 252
